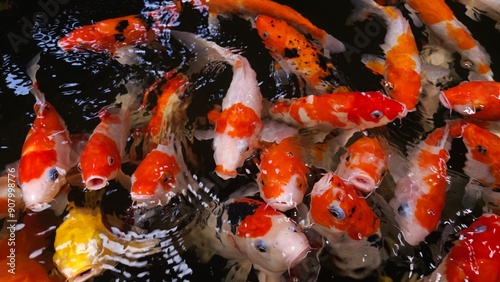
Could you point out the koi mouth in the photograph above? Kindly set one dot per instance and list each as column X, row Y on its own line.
column 299, row 257
column 444, row 100
column 363, row 182
column 96, row 183
column 38, row 207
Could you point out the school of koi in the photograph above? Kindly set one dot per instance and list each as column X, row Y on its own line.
column 325, row 185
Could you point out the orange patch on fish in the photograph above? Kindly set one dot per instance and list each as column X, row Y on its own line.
column 95, row 157
column 156, row 168
column 242, row 120
column 436, row 11
column 257, row 224
column 32, row 164
column 463, row 38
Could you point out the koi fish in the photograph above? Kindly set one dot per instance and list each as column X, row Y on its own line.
column 477, row 8
column 476, row 99
column 473, row 256
column 402, row 66
column 239, row 124
column 295, row 54
column 364, row 164
column 275, row 10
column 283, row 174
column 348, row 223
column 347, row 110
column 101, row 157
column 160, row 175
column 108, row 36
column 169, row 114
column 441, row 21
column 45, row 157
column 482, row 154
column 85, row 248
column 252, row 233
column 419, row 197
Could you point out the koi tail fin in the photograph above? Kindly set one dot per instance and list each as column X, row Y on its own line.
column 32, row 69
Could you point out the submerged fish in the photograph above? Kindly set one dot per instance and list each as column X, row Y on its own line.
column 419, row 197
column 85, row 248
column 347, row 110
column 45, row 157
column 474, row 256
column 440, row 20
column 239, row 124
column 283, row 174
column 349, row 224
column 296, row 55
column 402, row 66
column 101, row 157
column 475, row 99
column 364, row 164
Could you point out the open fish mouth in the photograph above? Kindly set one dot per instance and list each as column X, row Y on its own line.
column 96, row 183
column 84, row 275
column 299, row 257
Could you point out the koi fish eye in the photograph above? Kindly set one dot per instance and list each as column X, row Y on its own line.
column 265, row 35
column 111, row 160
column 467, row 64
column 260, row 246
column 377, row 114
column 337, row 212
column 79, row 167
column 403, row 209
column 388, row 85
column 482, row 150
column 348, row 158
column 480, row 229
column 53, row 174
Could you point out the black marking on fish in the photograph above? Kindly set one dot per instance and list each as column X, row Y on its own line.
column 291, row 53
column 122, row 25
column 237, row 211
column 119, row 37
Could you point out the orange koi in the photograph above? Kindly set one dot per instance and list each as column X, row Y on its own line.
column 483, row 153
column 474, row 256
column 476, row 99
column 402, row 65
column 348, row 110
column 160, row 175
column 107, row 36
column 45, row 156
column 364, row 164
column 101, row 157
column 253, row 8
column 349, row 224
column 283, row 174
column 295, row 54
column 441, row 21
column 419, row 197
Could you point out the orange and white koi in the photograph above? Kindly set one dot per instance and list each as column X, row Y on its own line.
column 401, row 67
column 442, row 23
column 101, row 157
column 296, row 55
column 360, row 110
column 477, row 8
column 483, row 153
column 239, row 124
column 160, row 175
column 476, row 99
column 248, row 230
column 283, row 174
column 108, row 36
column 474, row 256
column 275, row 10
column 419, row 197
column 348, row 223
column 45, row 156
column 364, row 164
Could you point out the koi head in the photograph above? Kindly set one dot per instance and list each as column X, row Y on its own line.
column 282, row 179
column 372, row 109
column 275, row 35
column 483, row 154
column 155, row 178
column 363, row 165
column 78, row 245
column 270, row 240
column 477, row 99
column 107, row 35
column 338, row 209
column 100, row 161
